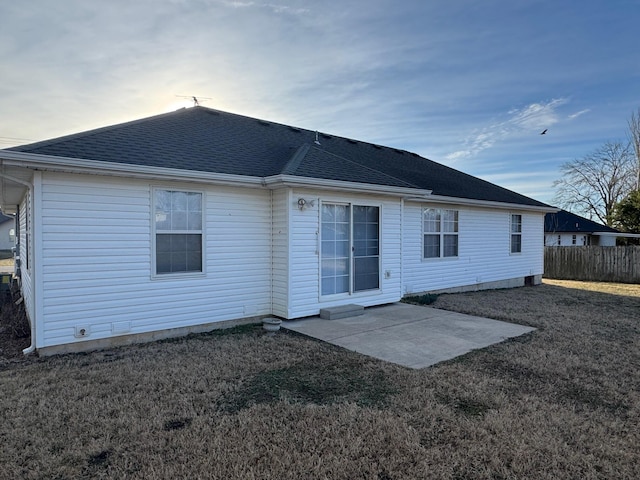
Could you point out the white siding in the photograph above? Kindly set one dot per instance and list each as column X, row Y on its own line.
column 280, row 240
column 97, row 259
column 261, row 256
column 484, row 250
column 305, row 298
column 26, row 283
column 566, row 240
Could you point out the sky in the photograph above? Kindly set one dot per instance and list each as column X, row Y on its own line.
column 467, row 83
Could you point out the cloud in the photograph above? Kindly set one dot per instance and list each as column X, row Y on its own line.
column 577, row 114
column 276, row 8
column 536, row 115
column 530, row 118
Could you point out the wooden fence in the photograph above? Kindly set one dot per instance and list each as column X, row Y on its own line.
column 591, row 263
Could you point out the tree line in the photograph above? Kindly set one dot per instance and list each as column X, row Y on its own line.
column 604, row 185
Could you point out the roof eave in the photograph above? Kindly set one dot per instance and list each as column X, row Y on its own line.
column 293, row 181
column 79, row 165
column 616, row 234
column 470, row 202
column 95, row 167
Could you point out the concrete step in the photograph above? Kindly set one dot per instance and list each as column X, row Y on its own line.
column 343, row 311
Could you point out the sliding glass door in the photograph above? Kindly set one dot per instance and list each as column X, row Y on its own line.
column 350, row 248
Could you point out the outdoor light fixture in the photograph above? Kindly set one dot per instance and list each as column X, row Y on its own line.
column 302, row 203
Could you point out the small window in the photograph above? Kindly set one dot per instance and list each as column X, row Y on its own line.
column 178, row 232
column 573, row 240
column 516, row 233
column 440, row 233
column 559, row 240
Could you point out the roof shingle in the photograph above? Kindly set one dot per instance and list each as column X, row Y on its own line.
column 207, row 140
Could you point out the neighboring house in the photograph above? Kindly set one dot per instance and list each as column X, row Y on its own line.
column 7, row 232
column 566, row 229
column 199, row 218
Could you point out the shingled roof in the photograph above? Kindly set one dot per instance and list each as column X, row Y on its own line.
column 208, row 140
column 567, row 222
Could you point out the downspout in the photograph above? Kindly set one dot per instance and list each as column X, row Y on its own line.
column 32, row 324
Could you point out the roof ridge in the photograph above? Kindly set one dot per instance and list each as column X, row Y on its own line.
column 408, row 184
column 296, row 159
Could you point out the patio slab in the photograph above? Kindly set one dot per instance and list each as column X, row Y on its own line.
column 409, row 335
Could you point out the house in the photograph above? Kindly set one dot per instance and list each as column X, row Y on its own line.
column 7, row 232
column 567, row 229
column 198, row 218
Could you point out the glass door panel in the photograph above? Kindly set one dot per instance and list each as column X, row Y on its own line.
column 335, row 255
column 366, row 248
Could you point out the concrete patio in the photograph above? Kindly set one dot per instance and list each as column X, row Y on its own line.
column 409, row 335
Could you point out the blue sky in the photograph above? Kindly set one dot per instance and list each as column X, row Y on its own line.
column 470, row 84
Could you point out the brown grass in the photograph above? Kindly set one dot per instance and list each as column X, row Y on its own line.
column 561, row 402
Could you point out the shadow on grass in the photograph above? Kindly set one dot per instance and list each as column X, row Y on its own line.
column 310, row 382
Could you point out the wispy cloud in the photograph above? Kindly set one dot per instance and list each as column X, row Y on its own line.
column 276, row 8
column 577, row 114
column 536, row 115
column 530, row 118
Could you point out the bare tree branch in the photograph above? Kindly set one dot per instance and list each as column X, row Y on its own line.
column 594, row 184
column 634, row 138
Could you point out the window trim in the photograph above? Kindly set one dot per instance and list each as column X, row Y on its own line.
column 512, row 233
column 174, row 275
column 441, row 233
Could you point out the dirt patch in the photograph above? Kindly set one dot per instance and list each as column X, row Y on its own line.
column 15, row 333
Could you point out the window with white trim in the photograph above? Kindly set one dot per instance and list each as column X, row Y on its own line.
column 178, row 231
column 516, row 233
column 440, row 233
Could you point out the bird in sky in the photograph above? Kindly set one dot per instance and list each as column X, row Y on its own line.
column 544, row 132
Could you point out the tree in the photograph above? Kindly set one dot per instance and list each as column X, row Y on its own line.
column 626, row 215
column 634, row 139
column 594, row 184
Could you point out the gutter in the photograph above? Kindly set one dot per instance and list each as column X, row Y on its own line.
column 488, row 203
column 75, row 165
column 32, row 324
column 616, row 234
column 93, row 167
column 293, row 181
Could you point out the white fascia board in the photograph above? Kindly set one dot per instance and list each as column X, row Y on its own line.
column 616, row 234
column 94, row 167
column 469, row 202
column 292, row 181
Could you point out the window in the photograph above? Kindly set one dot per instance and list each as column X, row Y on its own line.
column 440, row 230
column 516, row 233
column 178, row 232
column 573, row 240
column 559, row 240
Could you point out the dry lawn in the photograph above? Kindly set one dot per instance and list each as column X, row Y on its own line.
column 561, row 402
